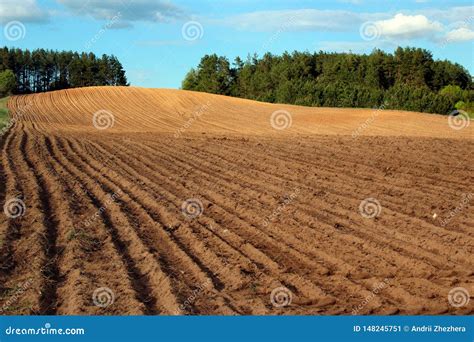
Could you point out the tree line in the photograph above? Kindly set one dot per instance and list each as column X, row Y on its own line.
column 44, row 70
column 408, row 79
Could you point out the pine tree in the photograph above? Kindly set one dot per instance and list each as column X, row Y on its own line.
column 407, row 79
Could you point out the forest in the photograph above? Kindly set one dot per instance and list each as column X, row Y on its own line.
column 408, row 79
column 25, row 71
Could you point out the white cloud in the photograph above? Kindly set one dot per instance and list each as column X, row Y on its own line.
column 459, row 35
column 298, row 20
column 408, row 26
column 24, row 11
column 130, row 11
column 449, row 15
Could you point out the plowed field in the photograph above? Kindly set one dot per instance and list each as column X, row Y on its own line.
column 153, row 201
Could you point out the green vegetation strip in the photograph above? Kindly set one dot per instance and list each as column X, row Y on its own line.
column 407, row 79
column 3, row 112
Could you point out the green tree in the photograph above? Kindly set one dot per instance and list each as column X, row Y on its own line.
column 408, row 79
column 44, row 70
column 454, row 92
column 7, row 82
column 213, row 75
column 190, row 81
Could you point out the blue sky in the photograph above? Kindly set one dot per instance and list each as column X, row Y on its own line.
column 158, row 41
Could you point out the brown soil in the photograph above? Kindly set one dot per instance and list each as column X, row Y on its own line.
column 280, row 208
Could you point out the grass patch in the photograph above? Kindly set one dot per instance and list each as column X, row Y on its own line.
column 87, row 242
column 3, row 112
